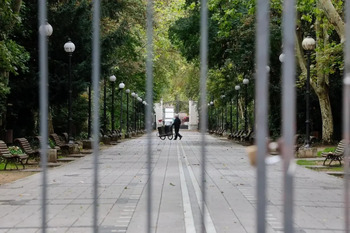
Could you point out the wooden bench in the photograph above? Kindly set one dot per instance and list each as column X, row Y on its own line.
column 27, row 148
column 337, row 155
column 8, row 157
column 65, row 148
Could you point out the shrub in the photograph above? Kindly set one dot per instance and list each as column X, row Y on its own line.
column 15, row 150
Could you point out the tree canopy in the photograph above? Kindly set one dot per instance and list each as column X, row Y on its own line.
column 176, row 57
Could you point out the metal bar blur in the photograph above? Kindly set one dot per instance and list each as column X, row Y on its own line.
column 149, row 107
column 203, row 100
column 346, row 118
column 43, row 92
column 96, row 106
column 288, row 110
column 261, row 98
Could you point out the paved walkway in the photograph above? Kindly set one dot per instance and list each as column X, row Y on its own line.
column 231, row 200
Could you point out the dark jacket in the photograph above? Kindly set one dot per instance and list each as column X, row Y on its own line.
column 177, row 123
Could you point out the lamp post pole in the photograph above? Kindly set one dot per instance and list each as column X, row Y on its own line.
column 222, row 111
column 237, row 87
column 211, row 112
column 309, row 45
column 89, row 114
column 245, row 82
column 133, row 94
column 127, row 91
column 104, row 106
column 231, row 117
column 69, row 47
column 140, row 109
column 135, row 112
column 144, row 114
column 121, row 87
column 112, row 79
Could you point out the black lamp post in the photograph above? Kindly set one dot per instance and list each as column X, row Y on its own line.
column 112, row 79
column 89, row 114
column 134, row 123
column 222, row 111
column 121, row 87
column 231, row 117
column 237, row 87
column 144, row 103
column 211, row 111
column 209, row 116
column 69, row 47
column 309, row 45
column 245, row 82
column 140, row 100
column 104, row 106
column 127, row 91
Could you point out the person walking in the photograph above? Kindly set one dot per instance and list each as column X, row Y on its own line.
column 177, row 124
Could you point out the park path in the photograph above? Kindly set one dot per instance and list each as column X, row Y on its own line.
column 230, row 205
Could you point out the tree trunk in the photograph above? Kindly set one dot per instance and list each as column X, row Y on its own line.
column 16, row 6
column 333, row 17
column 320, row 83
column 327, row 117
column 50, row 124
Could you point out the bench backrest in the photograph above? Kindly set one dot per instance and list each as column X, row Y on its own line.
column 57, row 140
column 340, row 148
column 24, row 144
column 3, row 149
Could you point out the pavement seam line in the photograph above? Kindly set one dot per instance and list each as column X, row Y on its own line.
column 209, row 225
column 189, row 220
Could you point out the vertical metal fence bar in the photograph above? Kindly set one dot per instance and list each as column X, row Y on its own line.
column 261, row 90
column 149, row 107
column 346, row 118
column 43, row 67
column 288, row 110
column 96, row 107
column 203, row 100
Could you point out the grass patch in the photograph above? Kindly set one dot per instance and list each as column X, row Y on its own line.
column 328, row 149
column 9, row 166
column 306, row 162
column 336, row 169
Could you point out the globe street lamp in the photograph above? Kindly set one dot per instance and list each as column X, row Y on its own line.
column 281, row 57
column 121, row 87
column 245, row 82
column 69, row 47
column 46, row 30
column 237, row 87
column 309, row 45
column 127, row 91
column 112, row 79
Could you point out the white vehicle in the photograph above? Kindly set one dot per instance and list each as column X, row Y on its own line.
column 169, row 115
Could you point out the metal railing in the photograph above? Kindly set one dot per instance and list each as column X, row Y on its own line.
column 262, row 55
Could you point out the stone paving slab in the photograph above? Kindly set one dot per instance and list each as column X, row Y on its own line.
column 176, row 178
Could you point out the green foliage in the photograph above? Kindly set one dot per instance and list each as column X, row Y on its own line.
column 328, row 149
column 306, row 162
column 52, row 144
column 10, row 166
column 15, row 150
column 12, row 58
